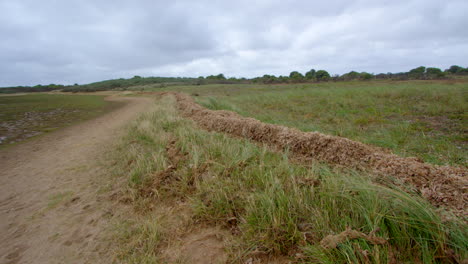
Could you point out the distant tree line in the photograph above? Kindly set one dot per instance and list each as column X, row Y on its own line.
column 419, row 73
column 123, row 84
column 32, row 89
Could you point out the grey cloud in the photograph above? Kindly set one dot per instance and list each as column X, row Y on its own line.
column 72, row 41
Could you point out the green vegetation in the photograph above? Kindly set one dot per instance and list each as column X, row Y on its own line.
column 322, row 75
column 58, row 198
column 455, row 69
column 25, row 116
column 270, row 204
column 427, row 119
column 312, row 76
column 139, row 239
column 31, row 89
column 123, row 84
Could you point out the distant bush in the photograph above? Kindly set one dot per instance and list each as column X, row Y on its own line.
column 322, row 75
column 454, row 69
column 269, row 78
column 216, row 77
column 296, row 76
column 310, row 75
column 417, row 73
column 29, row 89
column 352, row 75
column 365, row 76
column 457, row 70
column 433, row 73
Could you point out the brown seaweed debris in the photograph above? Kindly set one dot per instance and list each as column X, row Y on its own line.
column 332, row 241
column 441, row 185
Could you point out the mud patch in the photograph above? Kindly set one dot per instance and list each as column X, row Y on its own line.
column 30, row 124
column 441, row 185
column 204, row 246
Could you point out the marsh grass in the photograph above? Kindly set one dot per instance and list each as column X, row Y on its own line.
column 427, row 119
column 25, row 116
column 271, row 204
column 140, row 239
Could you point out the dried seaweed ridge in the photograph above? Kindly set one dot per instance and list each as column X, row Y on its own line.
column 441, row 185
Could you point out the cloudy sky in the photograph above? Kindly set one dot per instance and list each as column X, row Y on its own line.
column 80, row 41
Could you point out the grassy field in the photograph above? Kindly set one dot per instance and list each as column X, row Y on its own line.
column 426, row 119
column 181, row 180
column 185, row 186
column 26, row 116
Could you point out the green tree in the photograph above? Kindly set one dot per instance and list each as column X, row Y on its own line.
column 216, row 77
column 454, row 69
column 220, row 77
column 365, row 76
column 322, row 75
column 269, row 78
column 296, row 76
column 419, row 70
column 417, row 73
column 434, row 73
column 310, row 75
column 352, row 75
column 283, row 79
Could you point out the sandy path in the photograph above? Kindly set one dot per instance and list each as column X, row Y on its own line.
column 50, row 209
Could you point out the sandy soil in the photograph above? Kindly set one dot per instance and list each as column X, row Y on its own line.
column 50, row 207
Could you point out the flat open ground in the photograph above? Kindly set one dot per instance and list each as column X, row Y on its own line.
column 184, row 184
column 24, row 116
column 48, row 205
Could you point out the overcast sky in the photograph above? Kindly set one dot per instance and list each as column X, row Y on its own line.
column 81, row 41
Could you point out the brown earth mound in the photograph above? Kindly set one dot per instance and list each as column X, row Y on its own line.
column 441, row 185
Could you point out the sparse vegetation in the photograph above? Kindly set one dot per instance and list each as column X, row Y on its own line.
column 26, row 116
column 56, row 199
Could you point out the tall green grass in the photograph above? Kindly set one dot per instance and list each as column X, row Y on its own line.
column 275, row 206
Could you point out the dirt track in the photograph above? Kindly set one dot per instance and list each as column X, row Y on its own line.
column 50, row 210
column 441, row 185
